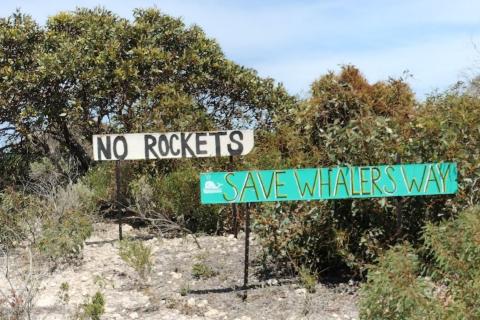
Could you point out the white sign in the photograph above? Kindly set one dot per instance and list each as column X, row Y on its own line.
column 137, row 146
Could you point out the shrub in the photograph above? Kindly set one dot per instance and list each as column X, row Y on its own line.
column 455, row 248
column 184, row 290
column 63, row 239
column 175, row 195
column 394, row 289
column 137, row 255
column 92, row 308
column 63, row 293
column 19, row 217
column 203, row 271
column 444, row 286
column 307, row 279
column 66, row 208
column 348, row 121
column 294, row 235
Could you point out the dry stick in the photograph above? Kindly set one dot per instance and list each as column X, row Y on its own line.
column 117, row 199
column 168, row 224
column 247, row 247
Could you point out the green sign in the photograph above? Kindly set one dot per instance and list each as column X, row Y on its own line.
column 329, row 183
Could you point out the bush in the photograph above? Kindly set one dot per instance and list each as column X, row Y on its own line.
column 202, row 271
column 92, row 308
column 348, row 121
column 19, row 217
column 138, row 256
column 307, row 279
column 394, row 289
column 293, row 236
column 100, row 180
column 68, row 221
column 63, row 239
column 455, row 248
column 403, row 286
column 175, row 195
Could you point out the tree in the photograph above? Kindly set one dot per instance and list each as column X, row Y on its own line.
column 90, row 71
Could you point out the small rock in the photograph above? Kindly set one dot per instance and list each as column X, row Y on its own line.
column 214, row 313
column 301, row 291
column 272, row 282
column 231, row 236
column 176, row 275
column 202, row 303
column 133, row 315
column 84, row 278
column 191, row 302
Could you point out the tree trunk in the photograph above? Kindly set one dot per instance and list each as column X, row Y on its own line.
column 75, row 149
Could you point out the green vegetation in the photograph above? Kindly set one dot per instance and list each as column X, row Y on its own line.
column 184, row 290
column 440, row 280
column 63, row 293
column 65, row 238
column 137, row 255
column 89, row 71
column 307, row 279
column 203, row 271
column 150, row 74
column 349, row 121
column 93, row 307
column 158, row 195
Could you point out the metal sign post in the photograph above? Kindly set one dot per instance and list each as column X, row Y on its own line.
column 247, row 248
column 117, row 199
column 234, row 210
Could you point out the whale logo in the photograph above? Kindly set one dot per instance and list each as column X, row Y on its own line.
column 212, row 187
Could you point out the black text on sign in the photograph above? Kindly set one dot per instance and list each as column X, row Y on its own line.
column 144, row 146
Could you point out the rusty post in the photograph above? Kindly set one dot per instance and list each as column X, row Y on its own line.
column 247, row 249
column 117, row 199
column 234, row 209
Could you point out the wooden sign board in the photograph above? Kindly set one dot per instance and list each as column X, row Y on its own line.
column 145, row 146
column 329, row 183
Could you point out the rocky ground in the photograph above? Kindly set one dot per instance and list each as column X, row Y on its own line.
column 171, row 292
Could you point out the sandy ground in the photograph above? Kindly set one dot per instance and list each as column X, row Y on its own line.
column 171, row 292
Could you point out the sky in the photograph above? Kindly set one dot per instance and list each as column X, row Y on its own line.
column 435, row 42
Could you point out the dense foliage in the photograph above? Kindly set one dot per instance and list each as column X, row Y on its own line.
column 446, row 286
column 346, row 121
column 90, row 71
